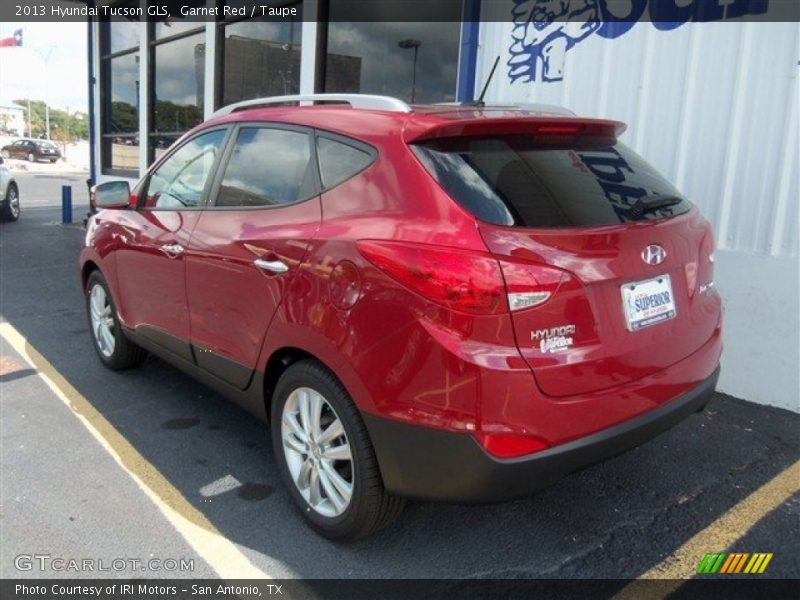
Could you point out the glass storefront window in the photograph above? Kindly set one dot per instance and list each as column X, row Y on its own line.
column 120, row 82
column 123, row 35
column 178, row 89
column 262, row 58
column 417, row 62
column 123, row 80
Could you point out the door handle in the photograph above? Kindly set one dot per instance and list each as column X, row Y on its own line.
column 172, row 249
column 278, row 267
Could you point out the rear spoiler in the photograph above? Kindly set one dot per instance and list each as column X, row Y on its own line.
column 546, row 127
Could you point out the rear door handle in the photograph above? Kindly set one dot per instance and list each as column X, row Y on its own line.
column 172, row 249
column 278, row 267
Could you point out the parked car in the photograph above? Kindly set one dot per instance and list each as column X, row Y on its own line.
column 9, row 202
column 455, row 303
column 32, row 150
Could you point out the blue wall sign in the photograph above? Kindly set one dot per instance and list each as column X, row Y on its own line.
column 545, row 30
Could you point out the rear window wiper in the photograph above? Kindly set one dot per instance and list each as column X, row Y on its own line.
column 648, row 204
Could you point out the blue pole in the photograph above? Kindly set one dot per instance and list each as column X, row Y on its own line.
column 66, row 204
column 468, row 57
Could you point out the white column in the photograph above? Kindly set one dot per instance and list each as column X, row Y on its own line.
column 144, row 93
column 308, row 51
column 98, row 110
column 210, row 67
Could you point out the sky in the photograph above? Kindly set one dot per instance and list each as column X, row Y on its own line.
column 22, row 70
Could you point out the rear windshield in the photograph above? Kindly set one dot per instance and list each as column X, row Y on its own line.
column 513, row 180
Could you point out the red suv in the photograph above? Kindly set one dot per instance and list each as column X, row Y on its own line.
column 458, row 303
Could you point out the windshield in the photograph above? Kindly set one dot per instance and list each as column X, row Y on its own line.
column 515, row 180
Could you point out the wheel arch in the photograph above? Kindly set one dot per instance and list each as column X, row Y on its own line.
column 87, row 269
column 280, row 360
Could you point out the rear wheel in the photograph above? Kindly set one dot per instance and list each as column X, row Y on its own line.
column 31, row 157
column 52, row 160
column 5, row 154
column 115, row 350
column 325, row 455
column 10, row 210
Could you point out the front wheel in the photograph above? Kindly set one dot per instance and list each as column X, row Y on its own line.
column 31, row 157
column 10, row 210
column 325, row 455
column 115, row 350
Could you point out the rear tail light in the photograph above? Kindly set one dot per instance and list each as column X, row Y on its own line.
column 504, row 445
column 462, row 280
column 708, row 245
column 466, row 281
column 529, row 284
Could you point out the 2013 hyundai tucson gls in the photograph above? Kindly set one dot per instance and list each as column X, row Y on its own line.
column 458, row 303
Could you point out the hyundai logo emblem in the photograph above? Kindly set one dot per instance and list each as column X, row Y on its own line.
column 654, row 254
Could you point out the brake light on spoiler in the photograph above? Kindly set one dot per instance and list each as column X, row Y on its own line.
column 544, row 127
column 463, row 280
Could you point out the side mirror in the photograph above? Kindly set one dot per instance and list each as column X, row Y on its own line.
column 111, row 194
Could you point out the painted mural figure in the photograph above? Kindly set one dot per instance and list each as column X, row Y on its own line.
column 543, row 32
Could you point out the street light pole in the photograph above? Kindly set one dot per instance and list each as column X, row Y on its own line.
column 46, row 61
column 415, row 44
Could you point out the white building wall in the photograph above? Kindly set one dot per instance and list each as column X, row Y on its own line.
column 714, row 106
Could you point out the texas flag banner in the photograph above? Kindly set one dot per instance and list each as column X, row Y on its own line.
column 14, row 40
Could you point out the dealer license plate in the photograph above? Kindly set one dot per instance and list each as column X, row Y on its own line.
column 648, row 302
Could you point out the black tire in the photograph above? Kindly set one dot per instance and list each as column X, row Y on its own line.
column 5, row 154
column 53, row 160
column 371, row 507
column 125, row 354
column 31, row 157
column 10, row 209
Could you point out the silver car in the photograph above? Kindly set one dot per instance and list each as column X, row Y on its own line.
column 9, row 200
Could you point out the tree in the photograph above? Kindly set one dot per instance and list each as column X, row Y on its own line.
column 64, row 126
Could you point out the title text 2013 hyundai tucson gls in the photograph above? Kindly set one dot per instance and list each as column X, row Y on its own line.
column 458, row 303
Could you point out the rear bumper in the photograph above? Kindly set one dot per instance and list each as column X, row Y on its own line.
column 430, row 464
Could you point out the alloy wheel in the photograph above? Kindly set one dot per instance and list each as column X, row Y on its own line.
column 13, row 201
column 102, row 320
column 317, row 452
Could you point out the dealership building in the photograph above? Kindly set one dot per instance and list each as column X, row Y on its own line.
column 709, row 91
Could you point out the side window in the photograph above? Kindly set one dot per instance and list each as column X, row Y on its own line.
column 338, row 162
column 268, row 167
column 180, row 180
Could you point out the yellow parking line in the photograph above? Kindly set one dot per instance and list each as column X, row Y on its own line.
column 718, row 536
column 205, row 539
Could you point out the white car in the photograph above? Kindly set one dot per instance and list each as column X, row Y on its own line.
column 9, row 201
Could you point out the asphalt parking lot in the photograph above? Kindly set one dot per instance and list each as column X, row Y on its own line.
column 203, row 469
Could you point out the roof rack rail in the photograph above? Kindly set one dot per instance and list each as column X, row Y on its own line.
column 362, row 101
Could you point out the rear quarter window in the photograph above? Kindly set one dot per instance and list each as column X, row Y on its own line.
column 517, row 181
column 339, row 161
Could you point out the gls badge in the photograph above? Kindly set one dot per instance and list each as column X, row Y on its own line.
column 554, row 339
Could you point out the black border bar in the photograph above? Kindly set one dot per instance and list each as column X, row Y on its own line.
column 666, row 12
